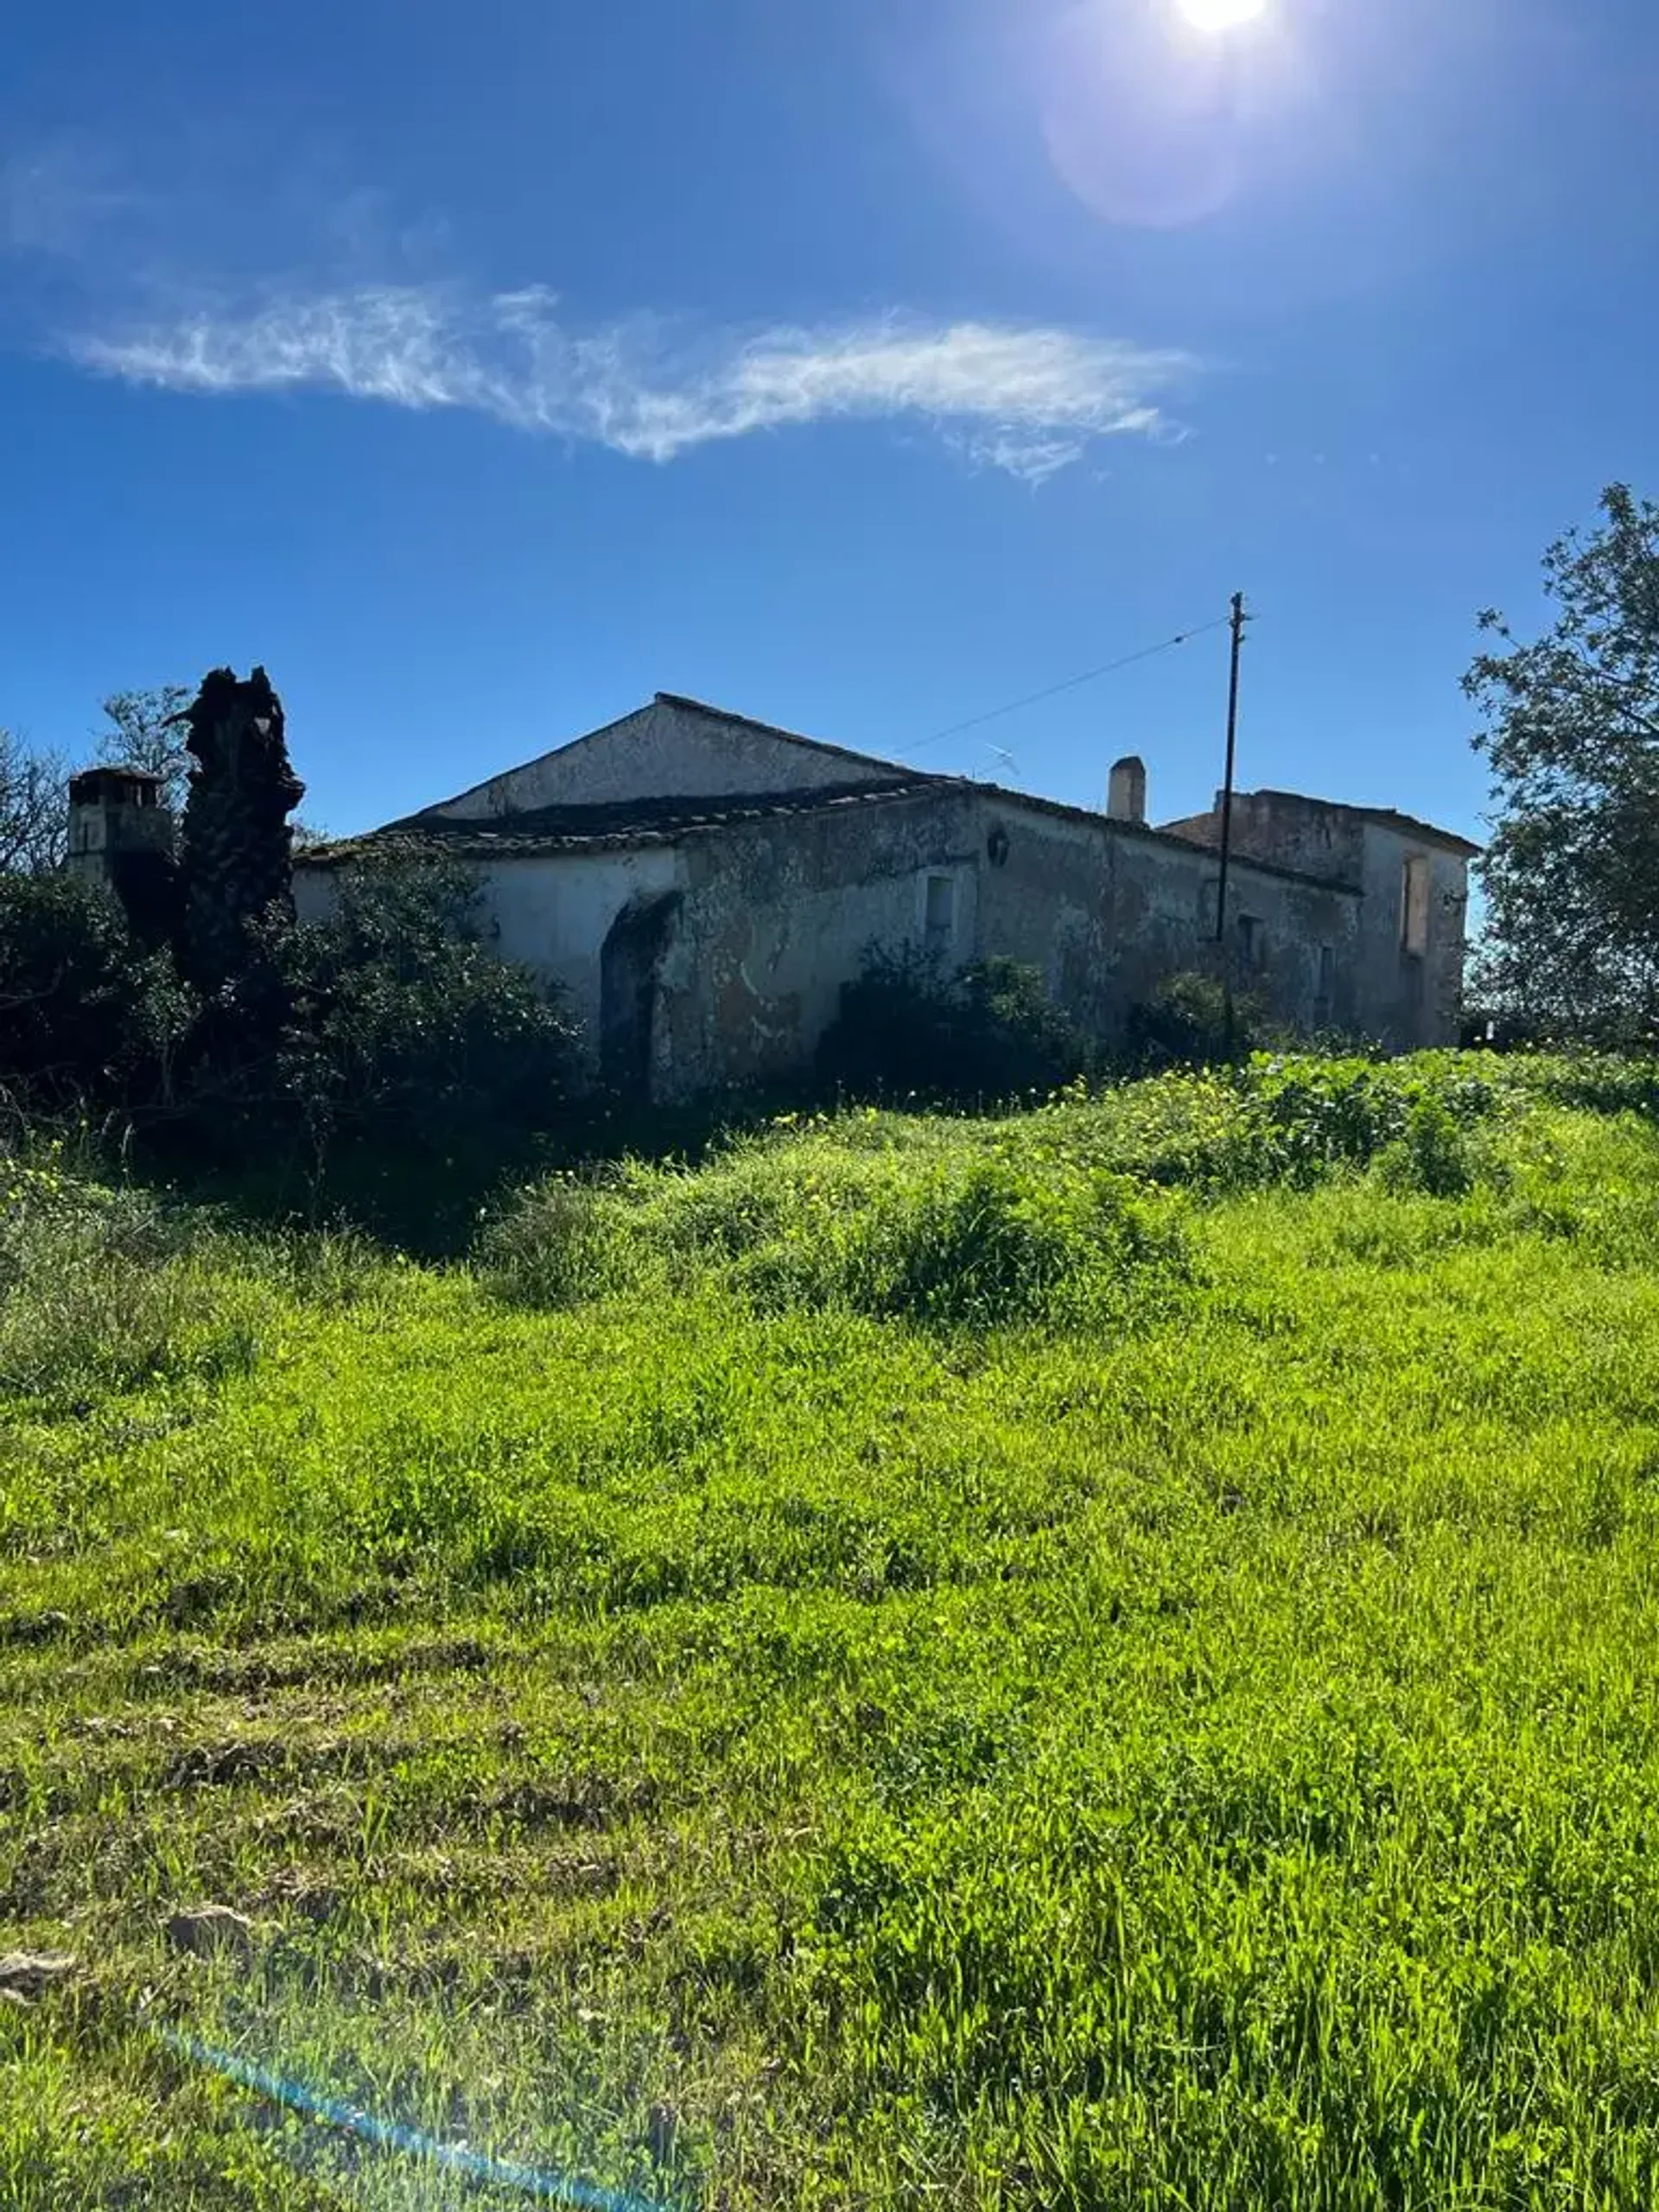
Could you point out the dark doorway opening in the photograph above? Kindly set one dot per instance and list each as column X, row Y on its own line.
column 629, row 964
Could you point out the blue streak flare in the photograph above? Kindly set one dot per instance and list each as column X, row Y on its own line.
column 393, row 2135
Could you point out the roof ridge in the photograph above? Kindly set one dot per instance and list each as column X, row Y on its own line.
column 794, row 736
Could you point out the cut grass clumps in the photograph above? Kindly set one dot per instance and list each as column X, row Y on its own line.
column 986, row 1243
column 974, row 1237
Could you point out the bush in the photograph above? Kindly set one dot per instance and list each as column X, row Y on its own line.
column 907, row 1029
column 87, row 1018
column 1433, row 1154
column 1185, row 1023
column 403, row 1029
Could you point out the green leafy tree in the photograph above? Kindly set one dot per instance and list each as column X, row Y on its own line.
column 1571, row 874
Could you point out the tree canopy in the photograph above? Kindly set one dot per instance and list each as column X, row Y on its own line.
column 1571, row 732
column 147, row 729
column 33, row 820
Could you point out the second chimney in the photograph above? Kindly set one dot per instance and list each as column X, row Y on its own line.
column 1126, row 792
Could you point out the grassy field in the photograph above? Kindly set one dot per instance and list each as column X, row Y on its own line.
column 1103, row 1659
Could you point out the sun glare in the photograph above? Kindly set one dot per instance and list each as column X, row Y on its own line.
column 1221, row 14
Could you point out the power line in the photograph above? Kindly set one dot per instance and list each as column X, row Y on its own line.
column 1071, row 683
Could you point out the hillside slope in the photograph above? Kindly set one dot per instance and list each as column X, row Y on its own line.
column 1100, row 1659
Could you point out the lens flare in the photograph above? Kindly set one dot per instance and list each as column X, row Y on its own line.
column 391, row 2135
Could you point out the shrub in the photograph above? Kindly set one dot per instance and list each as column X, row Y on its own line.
column 1186, row 1022
column 906, row 1027
column 87, row 1018
column 402, row 1028
column 1434, row 1154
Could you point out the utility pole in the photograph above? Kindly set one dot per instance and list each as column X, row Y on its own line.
column 1239, row 619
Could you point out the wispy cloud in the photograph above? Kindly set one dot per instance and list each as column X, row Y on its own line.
column 1030, row 400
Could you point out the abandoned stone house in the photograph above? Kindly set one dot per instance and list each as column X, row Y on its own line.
column 700, row 887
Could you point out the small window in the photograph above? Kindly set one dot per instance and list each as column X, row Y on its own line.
column 939, row 914
column 1414, row 905
column 1208, row 905
column 1252, row 942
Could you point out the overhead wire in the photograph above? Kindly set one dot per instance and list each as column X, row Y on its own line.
column 1070, row 682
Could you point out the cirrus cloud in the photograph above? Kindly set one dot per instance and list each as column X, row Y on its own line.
column 1030, row 400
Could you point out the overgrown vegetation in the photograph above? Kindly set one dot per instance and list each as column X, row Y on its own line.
column 326, row 1068
column 910, row 1028
column 1094, row 1659
column 1568, row 720
column 1189, row 1021
column 89, row 1019
column 367, row 1050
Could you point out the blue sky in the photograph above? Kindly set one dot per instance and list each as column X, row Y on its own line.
column 482, row 370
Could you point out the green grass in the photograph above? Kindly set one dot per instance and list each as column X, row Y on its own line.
column 1106, row 1659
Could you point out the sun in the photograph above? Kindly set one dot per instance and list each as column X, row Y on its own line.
column 1221, row 14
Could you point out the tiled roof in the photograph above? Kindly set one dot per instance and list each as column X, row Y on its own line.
column 623, row 823
column 632, row 823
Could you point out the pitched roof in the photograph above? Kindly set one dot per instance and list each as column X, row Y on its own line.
column 686, row 705
column 630, row 824
column 615, row 824
column 607, row 827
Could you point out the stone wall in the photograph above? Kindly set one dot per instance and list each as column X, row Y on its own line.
column 1403, row 995
column 1107, row 912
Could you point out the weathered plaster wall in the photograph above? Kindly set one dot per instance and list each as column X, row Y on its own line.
column 1400, row 998
column 1107, row 913
column 549, row 912
column 553, row 912
column 664, row 751
column 778, row 916
column 1408, row 1000
column 768, row 918
column 314, row 892
column 1293, row 832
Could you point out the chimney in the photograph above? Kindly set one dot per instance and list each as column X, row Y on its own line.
column 1126, row 792
column 121, row 836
